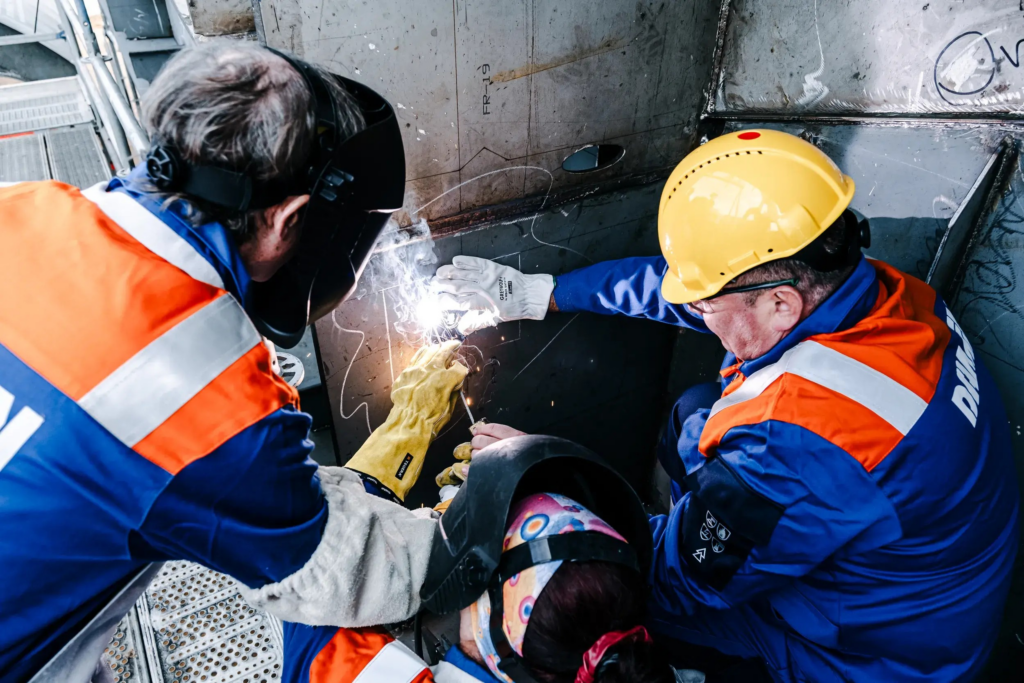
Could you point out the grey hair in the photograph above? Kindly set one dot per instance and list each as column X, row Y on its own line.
column 814, row 285
column 237, row 106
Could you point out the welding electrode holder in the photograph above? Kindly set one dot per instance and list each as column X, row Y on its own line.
column 449, row 328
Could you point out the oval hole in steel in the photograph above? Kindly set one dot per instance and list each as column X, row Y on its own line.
column 593, row 158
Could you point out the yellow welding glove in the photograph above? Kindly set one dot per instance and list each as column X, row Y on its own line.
column 455, row 475
column 484, row 434
column 424, row 397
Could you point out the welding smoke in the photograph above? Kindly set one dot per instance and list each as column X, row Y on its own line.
column 402, row 265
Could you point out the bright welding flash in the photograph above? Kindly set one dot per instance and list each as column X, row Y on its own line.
column 429, row 313
column 437, row 321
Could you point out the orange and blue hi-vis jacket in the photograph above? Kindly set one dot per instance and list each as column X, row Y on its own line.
column 857, row 481
column 140, row 419
column 324, row 654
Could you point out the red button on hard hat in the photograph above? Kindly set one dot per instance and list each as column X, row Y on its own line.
column 752, row 135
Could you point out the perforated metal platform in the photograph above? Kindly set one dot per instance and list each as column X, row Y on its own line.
column 76, row 157
column 71, row 155
column 192, row 626
column 23, row 158
column 42, row 104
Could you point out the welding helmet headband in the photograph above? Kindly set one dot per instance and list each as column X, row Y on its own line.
column 467, row 555
column 354, row 185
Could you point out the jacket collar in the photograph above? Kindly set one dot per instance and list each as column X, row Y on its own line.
column 212, row 240
column 843, row 309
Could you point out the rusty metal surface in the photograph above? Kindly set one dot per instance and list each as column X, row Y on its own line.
column 917, row 57
column 221, row 17
column 493, row 94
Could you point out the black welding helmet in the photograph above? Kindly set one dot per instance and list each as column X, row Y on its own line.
column 467, row 555
column 354, row 183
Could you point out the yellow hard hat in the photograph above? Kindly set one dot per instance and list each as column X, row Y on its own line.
column 739, row 201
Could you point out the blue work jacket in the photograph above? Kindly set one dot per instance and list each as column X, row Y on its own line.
column 130, row 434
column 857, row 480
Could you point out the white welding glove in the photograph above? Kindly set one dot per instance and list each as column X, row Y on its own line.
column 491, row 293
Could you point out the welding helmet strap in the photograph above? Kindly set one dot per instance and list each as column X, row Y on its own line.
column 469, row 550
column 221, row 187
column 324, row 107
column 578, row 546
column 511, row 663
column 236, row 191
column 293, row 282
column 581, row 546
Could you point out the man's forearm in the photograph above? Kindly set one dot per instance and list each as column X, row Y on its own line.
column 630, row 286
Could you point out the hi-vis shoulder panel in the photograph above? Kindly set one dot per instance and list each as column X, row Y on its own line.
column 367, row 656
column 138, row 222
column 126, row 318
column 157, row 381
column 862, row 389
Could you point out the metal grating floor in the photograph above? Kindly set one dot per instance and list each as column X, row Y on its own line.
column 121, row 663
column 71, row 155
column 23, row 158
column 192, row 626
column 42, row 104
column 75, row 156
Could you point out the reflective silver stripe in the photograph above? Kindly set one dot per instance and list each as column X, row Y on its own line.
column 753, row 385
column 826, row 367
column 138, row 222
column 154, row 383
column 447, row 673
column 395, row 663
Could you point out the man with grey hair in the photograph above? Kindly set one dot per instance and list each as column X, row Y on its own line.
column 846, row 491
column 146, row 422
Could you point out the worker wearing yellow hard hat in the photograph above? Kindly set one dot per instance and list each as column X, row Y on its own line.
column 852, row 468
column 740, row 201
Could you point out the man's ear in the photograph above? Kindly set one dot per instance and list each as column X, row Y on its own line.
column 284, row 217
column 788, row 309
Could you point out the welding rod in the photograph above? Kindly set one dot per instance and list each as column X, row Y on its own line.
column 465, row 403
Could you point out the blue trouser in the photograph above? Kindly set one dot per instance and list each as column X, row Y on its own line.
column 749, row 631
